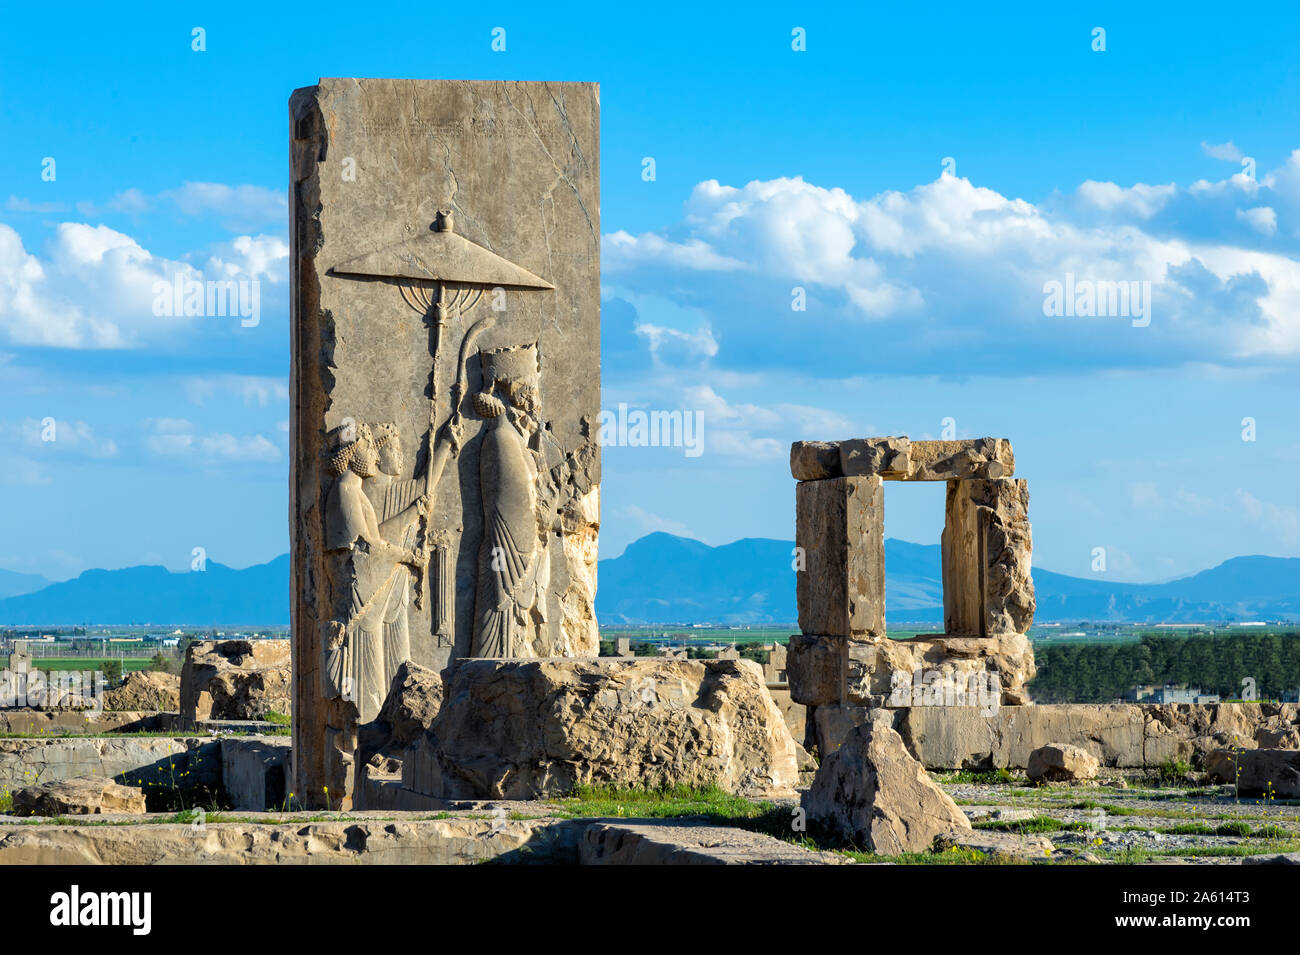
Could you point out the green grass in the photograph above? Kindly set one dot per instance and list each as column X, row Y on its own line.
column 983, row 777
column 676, row 801
column 1173, row 770
column 1034, row 824
column 280, row 719
column 1239, row 829
column 1187, row 829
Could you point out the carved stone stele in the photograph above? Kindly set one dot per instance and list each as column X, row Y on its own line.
column 444, row 498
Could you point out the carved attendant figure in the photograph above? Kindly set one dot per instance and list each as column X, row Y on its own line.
column 368, row 638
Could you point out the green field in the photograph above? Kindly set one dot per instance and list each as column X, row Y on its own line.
column 702, row 635
column 88, row 663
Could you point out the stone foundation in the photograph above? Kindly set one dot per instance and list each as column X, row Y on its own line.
column 467, row 837
column 520, row 729
column 1123, row 735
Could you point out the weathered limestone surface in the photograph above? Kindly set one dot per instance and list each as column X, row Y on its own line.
column 1190, row 731
column 939, row 670
column 412, row 704
column 357, row 841
column 815, row 668
column 1124, row 735
column 890, row 458
column 456, row 838
column 815, row 460
column 987, row 549
column 872, row 792
column 1061, row 763
column 254, row 771
column 840, row 532
column 77, row 796
column 520, row 729
column 793, row 713
column 445, row 388
column 901, row 459
column 1258, row 772
column 235, row 680
column 619, row 843
column 184, row 763
column 145, row 690
column 970, row 459
column 28, row 722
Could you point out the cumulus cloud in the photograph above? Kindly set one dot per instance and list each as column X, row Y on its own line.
column 97, row 288
column 950, row 275
column 179, row 439
column 756, row 431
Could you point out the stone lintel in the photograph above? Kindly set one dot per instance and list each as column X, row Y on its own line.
column 901, row 459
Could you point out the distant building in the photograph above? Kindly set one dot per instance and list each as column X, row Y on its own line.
column 1169, row 694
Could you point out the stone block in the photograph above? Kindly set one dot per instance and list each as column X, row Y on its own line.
column 1269, row 773
column 890, row 458
column 521, row 729
column 839, row 530
column 77, row 796
column 254, row 772
column 815, row 669
column 235, row 680
column 815, row 460
column 967, row 459
column 987, row 550
column 871, row 792
column 1061, row 763
column 940, row 670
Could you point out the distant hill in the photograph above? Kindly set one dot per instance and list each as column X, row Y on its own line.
column 154, row 595
column 665, row 579
column 13, row 583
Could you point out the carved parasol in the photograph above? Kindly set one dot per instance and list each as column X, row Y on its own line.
column 442, row 275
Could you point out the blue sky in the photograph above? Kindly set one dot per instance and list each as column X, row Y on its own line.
column 821, row 169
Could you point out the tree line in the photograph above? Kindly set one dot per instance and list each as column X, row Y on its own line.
column 1102, row 672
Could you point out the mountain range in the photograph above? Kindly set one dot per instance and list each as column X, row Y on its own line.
column 666, row 579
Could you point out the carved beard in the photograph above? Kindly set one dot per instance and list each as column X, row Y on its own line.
column 488, row 405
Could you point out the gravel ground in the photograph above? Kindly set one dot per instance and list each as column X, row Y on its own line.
column 1119, row 819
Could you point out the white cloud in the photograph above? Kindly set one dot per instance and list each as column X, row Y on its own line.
column 95, row 288
column 178, row 438
column 697, row 344
column 650, row 523
column 1139, row 200
column 1260, row 218
column 238, row 208
column 1225, row 151
column 1282, row 520
column 252, row 389
column 951, row 274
